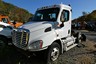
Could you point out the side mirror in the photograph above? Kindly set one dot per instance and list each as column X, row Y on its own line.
column 62, row 25
column 62, row 19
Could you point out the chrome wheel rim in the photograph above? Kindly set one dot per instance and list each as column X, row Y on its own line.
column 54, row 53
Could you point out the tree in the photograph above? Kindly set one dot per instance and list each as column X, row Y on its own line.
column 14, row 12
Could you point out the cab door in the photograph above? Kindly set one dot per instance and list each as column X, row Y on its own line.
column 66, row 23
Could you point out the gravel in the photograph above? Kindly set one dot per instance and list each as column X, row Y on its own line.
column 86, row 54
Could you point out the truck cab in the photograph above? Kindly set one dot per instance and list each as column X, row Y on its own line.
column 50, row 29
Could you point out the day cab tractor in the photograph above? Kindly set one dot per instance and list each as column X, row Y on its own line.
column 5, row 19
column 49, row 32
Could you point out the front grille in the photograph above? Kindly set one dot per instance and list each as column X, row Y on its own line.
column 20, row 37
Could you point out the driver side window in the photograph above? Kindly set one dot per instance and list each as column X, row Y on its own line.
column 64, row 16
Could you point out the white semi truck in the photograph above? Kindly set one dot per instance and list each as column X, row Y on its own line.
column 50, row 31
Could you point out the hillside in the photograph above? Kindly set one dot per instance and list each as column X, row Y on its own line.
column 88, row 17
column 14, row 12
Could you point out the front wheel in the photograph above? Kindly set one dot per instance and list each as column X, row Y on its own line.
column 54, row 52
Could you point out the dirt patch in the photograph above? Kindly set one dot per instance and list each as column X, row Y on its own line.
column 85, row 54
column 84, row 59
column 90, row 46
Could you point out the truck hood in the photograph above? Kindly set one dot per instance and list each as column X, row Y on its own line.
column 33, row 26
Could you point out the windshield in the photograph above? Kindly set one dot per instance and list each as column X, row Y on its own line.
column 46, row 14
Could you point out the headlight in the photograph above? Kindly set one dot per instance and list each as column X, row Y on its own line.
column 36, row 45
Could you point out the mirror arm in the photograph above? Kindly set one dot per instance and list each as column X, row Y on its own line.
column 62, row 24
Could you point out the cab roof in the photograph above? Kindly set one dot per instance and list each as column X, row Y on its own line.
column 55, row 6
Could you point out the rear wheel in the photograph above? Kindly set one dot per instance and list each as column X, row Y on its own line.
column 78, row 37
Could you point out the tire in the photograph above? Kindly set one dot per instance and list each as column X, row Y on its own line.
column 53, row 53
column 3, row 41
column 78, row 37
column 79, row 40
